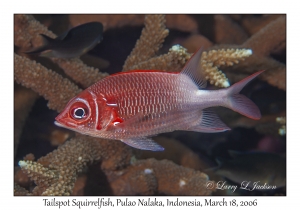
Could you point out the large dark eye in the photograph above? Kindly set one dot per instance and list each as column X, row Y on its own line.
column 79, row 113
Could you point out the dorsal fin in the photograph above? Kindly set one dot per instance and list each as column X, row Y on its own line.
column 63, row 35
column 148, row 70
column 192, row 69
column 46, row 39
column 142, row 71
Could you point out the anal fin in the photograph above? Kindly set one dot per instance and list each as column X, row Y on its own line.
column 209, row 123
column 143, row 143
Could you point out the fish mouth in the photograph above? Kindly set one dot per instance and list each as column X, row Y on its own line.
column 59, row 124
column 66, row 127
column 76, row 129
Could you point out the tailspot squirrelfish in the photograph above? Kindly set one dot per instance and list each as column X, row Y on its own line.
column 133, row 106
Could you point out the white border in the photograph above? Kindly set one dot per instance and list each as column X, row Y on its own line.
column 8, row 201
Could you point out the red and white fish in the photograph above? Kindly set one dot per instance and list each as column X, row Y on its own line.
column 133, row 106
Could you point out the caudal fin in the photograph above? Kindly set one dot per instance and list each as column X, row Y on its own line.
column 241, row 103
column 47, row 41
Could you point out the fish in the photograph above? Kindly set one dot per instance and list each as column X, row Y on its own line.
column 72, row 43
column 136, row 105
column 253, row 168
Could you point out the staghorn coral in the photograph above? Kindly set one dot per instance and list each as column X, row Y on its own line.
column 43, row 177
column 45, row 82
column 224, row 25
column 269, row 39
column 195, row 42
column 177, row 21
column 174, row 60
column 146, row 174
column 115, row 160
column 27, row 30
column 267, row 36
column 210, row 61
column 150, row 41
column 253, row 24
column 79, row 72
column 273, row 37
column 55, row 173
column 20, row 191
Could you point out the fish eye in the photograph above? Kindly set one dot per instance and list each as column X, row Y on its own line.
column 79, row 113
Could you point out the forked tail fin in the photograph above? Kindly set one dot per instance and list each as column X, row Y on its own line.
column 47, row 42
column 241, row 103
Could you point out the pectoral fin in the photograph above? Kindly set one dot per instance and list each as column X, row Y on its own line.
column 143, row 143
